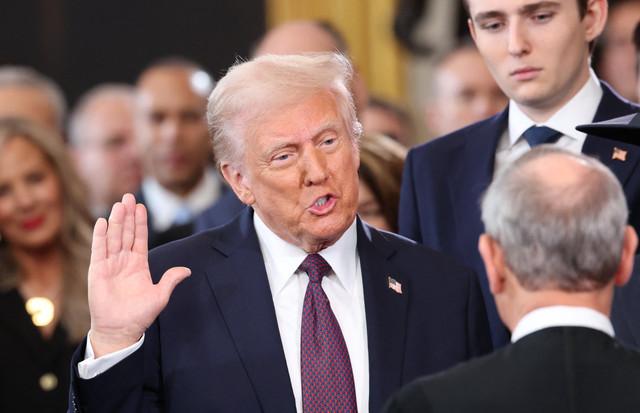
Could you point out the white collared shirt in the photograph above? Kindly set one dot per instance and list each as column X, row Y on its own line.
column 164, row 205
column 579, row 110
column 343, row 287
column 561, row 316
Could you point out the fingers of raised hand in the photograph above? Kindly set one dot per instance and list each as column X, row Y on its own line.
column 114, row 231
column 128, row 227
column 140, row 244
column 99, row 243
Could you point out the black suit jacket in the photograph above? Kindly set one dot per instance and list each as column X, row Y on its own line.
column 625, row 310
column 444, row 180
column 216, row 346
column 558, row 369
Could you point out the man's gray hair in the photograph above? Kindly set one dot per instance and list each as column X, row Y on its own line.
column 11, row 75
column 254, row 90
column 77, row 119
column 566, row 237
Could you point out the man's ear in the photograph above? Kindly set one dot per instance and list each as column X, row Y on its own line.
column 493, row 259
column 595, row 18
column 629, row 246
column 237, row 181
column 472, row 28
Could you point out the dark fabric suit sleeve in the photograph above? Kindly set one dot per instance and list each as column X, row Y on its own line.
column 480, row 342
column 408, row 214
column 119, row 389
column 410, row 399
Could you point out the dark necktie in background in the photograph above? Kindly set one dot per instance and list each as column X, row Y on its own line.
column 537, row 135
column 327, row 378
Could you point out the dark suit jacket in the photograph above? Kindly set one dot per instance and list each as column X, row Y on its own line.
column 216, row 346
column 444, row 180
column 224, row 210
column 625, row 310
column 25, row 356
column 558, row 369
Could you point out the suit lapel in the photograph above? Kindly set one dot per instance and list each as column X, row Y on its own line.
column 612, row 106
column 241, row 288
column 471, row 173
column 385, row 312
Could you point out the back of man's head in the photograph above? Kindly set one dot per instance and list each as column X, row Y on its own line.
column 26, row 93
column 560, row 220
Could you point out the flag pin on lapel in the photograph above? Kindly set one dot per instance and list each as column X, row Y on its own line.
column 395, row 285
column 619, row 154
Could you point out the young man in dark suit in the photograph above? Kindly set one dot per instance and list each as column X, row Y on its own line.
column 539, row 53
column 238, row 335
column 556, row 244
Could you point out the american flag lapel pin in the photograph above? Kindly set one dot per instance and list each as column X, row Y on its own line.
column 395, row 285
column 619, row 154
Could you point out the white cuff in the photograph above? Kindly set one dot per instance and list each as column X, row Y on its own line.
column 90, row 367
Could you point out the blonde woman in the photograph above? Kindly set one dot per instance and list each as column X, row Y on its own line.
column 45, row 230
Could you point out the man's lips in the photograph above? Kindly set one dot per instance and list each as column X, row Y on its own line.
column 32, row 223
column 525, row 73
column 323, row 204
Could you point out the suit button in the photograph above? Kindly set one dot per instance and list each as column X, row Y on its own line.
column 48, row 382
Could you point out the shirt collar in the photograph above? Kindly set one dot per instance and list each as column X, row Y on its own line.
column 561, row 316
column 282, row 259
column 164, row 204
column 579, row 110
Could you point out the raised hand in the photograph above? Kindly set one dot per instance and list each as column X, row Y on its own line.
column 122, row 297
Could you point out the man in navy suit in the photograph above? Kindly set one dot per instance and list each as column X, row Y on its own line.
column 285, row 135
column 556, row 244
column 625, row 311
column 538, row 52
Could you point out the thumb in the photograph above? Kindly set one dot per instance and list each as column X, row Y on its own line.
column 170, row 279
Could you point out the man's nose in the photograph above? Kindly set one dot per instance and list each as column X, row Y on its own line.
column 315, row 167
column 518, row 42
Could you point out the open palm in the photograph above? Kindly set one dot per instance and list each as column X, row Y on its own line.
column 122, row 297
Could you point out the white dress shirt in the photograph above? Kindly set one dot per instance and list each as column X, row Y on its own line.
column 165, row 205
column 579, row 110
column 561, row 316
column 343, row 287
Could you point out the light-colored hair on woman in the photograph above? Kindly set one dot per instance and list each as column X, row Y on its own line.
column 381, row 165
column 561, row 236
column 253, row 90
column 76, row 232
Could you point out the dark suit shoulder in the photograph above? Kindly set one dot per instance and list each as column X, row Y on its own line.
column 557, row 369
column 415, row 256
column 457, row 138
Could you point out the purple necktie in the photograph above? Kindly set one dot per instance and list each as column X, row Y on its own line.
column 327, row 379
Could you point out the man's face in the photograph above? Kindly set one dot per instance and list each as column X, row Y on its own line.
column 108, row 157
column 300, row 173
column 618, row 61
column 172, row 128
column 536, row 50
column 463, row 96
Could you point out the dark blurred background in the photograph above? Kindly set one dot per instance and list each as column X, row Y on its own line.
column 82, row 43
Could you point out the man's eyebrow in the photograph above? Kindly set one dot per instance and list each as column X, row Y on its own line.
column 526, row 9
column 486, row 15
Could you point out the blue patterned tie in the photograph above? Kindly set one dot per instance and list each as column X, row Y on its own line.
column 327, row 378
column 537, row 135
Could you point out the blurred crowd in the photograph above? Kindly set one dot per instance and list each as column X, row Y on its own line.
column 62, row 168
